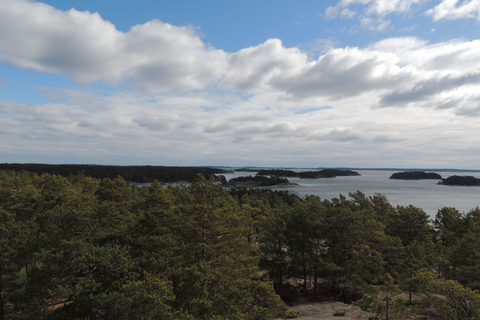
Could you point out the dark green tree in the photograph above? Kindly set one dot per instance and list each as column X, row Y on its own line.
column 410, row 224
column 218, row 264
column 303, row 236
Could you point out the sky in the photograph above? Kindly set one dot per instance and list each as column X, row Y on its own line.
column 276, row 83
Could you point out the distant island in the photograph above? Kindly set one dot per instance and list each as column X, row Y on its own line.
column 460, row 181
column 260, row 181
column 415, row 175
column 325, row 173
column 246, row 170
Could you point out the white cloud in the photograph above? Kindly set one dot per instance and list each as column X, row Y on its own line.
column 386, row 7
column 341, row 73
column 398, row 45
column 155, row 56
column 375, row 12
column 380, row 7
column 181, row 99
column 453, row 10
column 252, row 69
column 158, row 57
column 347, row 13
column 377, row 24
column 331, row 12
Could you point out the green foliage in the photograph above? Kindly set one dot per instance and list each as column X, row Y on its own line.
column 82, row 248
column 138, row 174
column 450, row 226
column 410, row 224
column 458, row 242
column 450, row 298
column 79, row 248
column 257, row 181
column 304, row 240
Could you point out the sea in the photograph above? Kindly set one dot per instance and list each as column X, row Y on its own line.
column 427, row 195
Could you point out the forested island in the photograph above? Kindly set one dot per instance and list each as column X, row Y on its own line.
column 324, row 173
column 259, row 181
column 78, row 247
column 415, row 175
column 460, row 181
column 137, row 174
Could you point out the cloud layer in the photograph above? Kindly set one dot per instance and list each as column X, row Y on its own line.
column 374, row 14
column 171, row 96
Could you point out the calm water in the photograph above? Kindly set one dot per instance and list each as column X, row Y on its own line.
column 424, row 194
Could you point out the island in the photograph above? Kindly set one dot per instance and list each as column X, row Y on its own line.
column 325, row 173
column 415, row 175
column 245, row 170
column 460, row 181
column 260, row 181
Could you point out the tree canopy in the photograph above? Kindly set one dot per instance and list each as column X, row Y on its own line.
column 78, row 247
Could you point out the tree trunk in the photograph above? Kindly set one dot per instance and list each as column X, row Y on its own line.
column 410, row 295
column 304, row 276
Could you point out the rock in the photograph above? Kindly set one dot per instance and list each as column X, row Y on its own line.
column 330, row 311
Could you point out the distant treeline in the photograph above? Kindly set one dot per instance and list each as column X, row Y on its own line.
column 461, row 181
column 138, row 174
column 416, row 175
column 325, row 173
column 257, row 181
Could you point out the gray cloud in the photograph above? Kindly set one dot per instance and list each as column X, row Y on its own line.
column 469, row 111
column 341, row 73
column 386, row 138
column 469, row 107
column 152, row 123
column 250, row 118
column 426, row 89
column 217, row 128
column 448, row 59
column 267, row 131
column 343, row 135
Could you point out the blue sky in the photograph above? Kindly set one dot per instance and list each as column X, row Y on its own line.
column 358, row 83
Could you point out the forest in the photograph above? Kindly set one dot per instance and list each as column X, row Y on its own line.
column 416, row 175
column 255, row 181
column 78, row 247
column 138, row 174
column 317, row 174
column 461, row 181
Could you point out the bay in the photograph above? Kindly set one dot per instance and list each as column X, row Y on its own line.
column 425, row 194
